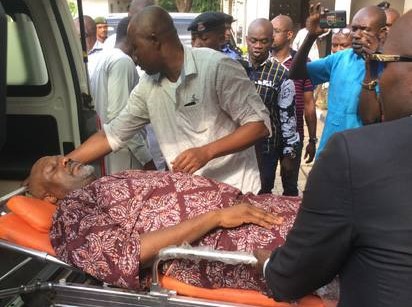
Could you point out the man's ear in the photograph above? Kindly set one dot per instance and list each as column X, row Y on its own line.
column 383, row 33
column 50, row 198
column 290, row 35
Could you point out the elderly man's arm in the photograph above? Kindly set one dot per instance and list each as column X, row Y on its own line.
column 193, row 229
column 243, row 137
column 320, row 240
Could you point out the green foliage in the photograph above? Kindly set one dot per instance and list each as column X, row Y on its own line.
column 72, row 7
column 198, row 5
column 168, row 5
column 205, row 5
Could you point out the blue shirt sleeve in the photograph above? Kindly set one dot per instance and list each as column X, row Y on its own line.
column 319, row 70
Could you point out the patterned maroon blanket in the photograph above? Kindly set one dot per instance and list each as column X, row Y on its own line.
column 97, row 229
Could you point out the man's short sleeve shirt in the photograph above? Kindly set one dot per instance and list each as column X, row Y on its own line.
column 212, row 98
column 345, row 71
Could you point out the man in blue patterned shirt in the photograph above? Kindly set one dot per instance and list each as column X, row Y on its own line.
column 278, row 93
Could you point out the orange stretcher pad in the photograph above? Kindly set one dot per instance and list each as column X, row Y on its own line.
column 30, row 220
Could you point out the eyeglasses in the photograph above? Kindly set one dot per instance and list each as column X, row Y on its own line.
column 344, row 31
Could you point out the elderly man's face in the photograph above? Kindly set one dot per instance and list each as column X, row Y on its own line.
column 55, row 176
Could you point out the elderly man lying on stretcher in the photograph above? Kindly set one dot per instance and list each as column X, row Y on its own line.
column 113, row 227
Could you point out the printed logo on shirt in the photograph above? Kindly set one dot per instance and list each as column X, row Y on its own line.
column 193, row 101
column 267, row 83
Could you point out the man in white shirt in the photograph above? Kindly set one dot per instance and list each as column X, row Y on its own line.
column 113, row 79
column 204, row 110
column 94, row 48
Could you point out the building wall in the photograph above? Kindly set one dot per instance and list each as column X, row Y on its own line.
column 95, row 8
column 407, row 6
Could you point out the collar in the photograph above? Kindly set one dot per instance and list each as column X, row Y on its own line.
column 261, row 64
column 292, row 54
column 96, row 47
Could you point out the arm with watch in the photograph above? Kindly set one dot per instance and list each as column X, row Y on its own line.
column 369, row 106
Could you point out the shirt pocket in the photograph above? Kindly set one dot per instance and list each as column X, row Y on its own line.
column 192, row 118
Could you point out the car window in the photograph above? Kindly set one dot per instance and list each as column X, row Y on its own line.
column 25, row 61
column 180, row 20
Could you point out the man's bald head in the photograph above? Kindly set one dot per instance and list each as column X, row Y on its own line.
column 153, row 38
column 152, row 20
column 391, row 16
column 396, row 80
column 137, row 5
column 260, row 23
column 373, row 13
column 284, row 21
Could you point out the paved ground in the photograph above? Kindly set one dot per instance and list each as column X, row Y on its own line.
column 304, row 167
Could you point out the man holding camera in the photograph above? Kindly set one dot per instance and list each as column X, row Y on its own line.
column 355, row 219
column 345, row 71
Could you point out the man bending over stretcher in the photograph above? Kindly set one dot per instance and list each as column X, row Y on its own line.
column 113, row 227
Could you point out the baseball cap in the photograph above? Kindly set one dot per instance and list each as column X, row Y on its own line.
column 209, row 21
column 100, row 20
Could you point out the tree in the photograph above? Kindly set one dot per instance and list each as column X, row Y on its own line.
column 189, row 5
column 72, row 7
column 184, row 5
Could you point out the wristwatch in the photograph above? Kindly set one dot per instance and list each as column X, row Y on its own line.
column 313, row 140
column 370, row 86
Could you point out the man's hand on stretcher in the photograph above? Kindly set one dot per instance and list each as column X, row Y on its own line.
column 193, row 229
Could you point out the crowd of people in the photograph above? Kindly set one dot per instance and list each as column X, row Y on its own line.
column 223, row 123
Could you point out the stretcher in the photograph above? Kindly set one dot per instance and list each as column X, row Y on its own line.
column 164, row 291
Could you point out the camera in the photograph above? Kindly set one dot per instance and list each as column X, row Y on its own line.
column 333, row 19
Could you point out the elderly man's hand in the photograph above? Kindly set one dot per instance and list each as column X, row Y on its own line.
column 190, row 160
column 244, row 213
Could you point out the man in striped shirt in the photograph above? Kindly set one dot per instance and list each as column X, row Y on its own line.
column 305, row 104
column 278, row 94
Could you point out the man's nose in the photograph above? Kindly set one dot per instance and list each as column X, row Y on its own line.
column 64, row 161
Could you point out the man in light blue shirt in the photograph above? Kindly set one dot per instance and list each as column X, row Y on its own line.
column 345, row 71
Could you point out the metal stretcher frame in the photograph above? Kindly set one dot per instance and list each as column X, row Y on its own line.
column 74, row 294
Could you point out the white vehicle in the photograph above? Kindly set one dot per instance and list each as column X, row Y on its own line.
column 180, row 20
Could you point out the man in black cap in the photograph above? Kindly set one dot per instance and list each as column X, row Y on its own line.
column 208, row 30
column 213, row 30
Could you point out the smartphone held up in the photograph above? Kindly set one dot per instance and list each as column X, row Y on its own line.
column 333, row 19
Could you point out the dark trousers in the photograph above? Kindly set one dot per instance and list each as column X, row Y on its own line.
column 268, row 158
column 290, row 182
